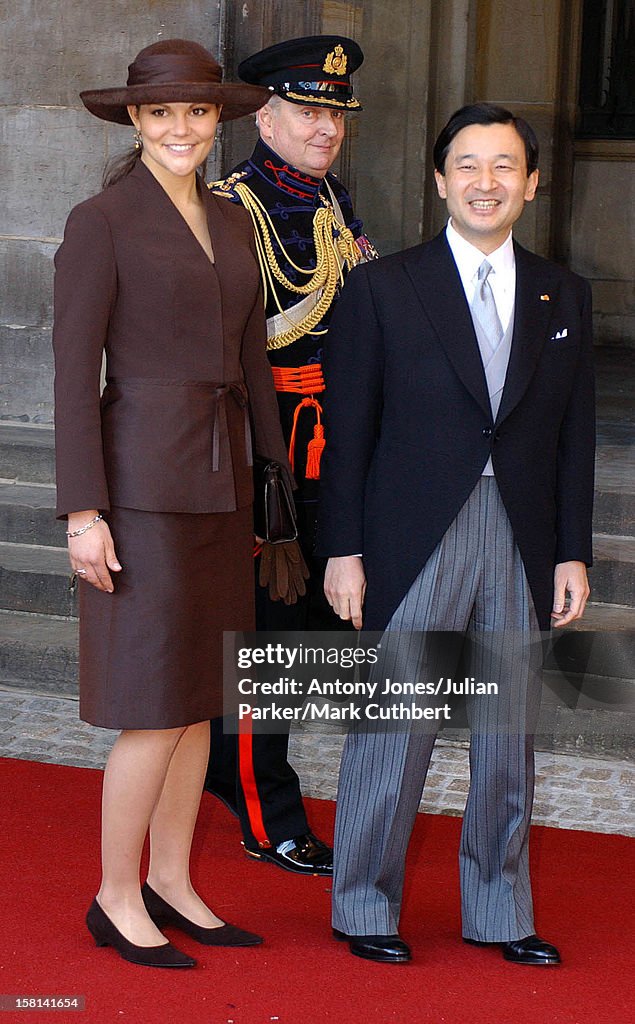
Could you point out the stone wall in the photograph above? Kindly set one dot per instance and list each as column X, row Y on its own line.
column 389, row 168
column 516, row 65
column 603, row 236
column 52, row 153
column 424, row 58
column 527, row 58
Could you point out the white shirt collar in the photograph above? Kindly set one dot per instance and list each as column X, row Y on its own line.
column 468, row 258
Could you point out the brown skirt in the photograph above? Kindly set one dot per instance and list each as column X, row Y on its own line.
column 151, row 653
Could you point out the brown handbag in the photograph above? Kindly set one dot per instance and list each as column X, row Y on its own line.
column 274, row 508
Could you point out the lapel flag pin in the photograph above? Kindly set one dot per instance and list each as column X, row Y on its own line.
column 544, row 298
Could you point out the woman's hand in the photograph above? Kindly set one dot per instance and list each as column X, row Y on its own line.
column 92, row 554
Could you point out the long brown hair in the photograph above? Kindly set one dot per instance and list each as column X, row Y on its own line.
column 119, row 167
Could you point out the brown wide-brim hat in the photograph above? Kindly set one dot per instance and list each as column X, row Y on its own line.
column 175, row 71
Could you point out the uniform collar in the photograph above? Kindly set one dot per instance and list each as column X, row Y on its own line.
column 284, row 176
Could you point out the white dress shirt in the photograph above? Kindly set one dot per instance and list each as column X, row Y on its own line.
column 502, row 278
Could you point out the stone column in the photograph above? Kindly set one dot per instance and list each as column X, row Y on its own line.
column 390, row 165
column 516, row 65
column 452, row 48
column 247, row 28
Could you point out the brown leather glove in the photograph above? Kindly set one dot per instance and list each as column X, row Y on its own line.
column 283, row 570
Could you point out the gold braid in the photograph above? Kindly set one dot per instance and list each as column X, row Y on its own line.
column 335, row 249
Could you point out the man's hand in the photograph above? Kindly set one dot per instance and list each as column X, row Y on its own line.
column 345, row 586
column 569, row 578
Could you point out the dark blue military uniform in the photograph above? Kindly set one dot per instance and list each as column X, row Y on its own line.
column 304, row 227
column 292, row 199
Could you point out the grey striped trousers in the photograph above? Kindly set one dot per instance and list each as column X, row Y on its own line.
column 474, row 582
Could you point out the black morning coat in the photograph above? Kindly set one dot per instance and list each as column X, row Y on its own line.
column 409, row 425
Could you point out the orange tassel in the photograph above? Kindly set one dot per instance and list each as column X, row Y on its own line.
column 314, row 447
column 314, row 453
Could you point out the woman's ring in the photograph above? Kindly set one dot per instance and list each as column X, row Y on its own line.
column 81, row 572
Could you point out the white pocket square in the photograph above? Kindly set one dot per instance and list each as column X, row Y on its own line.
column 559, row 335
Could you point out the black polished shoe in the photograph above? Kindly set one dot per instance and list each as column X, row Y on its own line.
column 105, row 934
column 304, row 855
column 531, row 950
column 162, row 913
column 384, row 949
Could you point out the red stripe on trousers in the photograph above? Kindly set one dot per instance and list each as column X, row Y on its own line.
column 248, row 781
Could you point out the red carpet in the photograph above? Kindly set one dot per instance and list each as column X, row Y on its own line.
column 49, row 869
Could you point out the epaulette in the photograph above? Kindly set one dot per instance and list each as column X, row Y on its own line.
column 226, row 186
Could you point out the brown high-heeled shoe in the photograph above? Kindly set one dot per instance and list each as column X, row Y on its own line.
column 224, row 935
column 105, row 934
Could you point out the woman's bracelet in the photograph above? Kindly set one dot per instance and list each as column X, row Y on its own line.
column 82, row 529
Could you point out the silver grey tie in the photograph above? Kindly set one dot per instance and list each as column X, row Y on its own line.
column 484, row 308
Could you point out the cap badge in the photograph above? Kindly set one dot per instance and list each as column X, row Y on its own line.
column 336, row 62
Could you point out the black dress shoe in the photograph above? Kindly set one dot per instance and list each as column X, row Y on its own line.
column 163, row 914
column 530, row 950
column 384, row 949
column 105, row 934
column 304, row 855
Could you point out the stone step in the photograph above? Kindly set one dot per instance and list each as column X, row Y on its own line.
column 607, row 617
column 613, row 512
column 588, row 696
column 600, row 653
column 27, row 456
column 588, row 702
column 27, row 453
column 39, row 653
column 614, row 506
column 613, row 574
column 601, row 643
column 590, row 713
column 27, row 515
column 570, row 725
column 36, row 579
column 588, row 699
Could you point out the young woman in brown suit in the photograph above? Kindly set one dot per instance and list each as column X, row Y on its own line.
column 154, row 476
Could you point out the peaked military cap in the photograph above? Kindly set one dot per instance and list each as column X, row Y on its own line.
column 313, row 70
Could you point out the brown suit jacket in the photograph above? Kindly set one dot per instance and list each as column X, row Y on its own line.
column 185, row 348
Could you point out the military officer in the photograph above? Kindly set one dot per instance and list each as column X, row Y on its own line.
column 307, row 239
